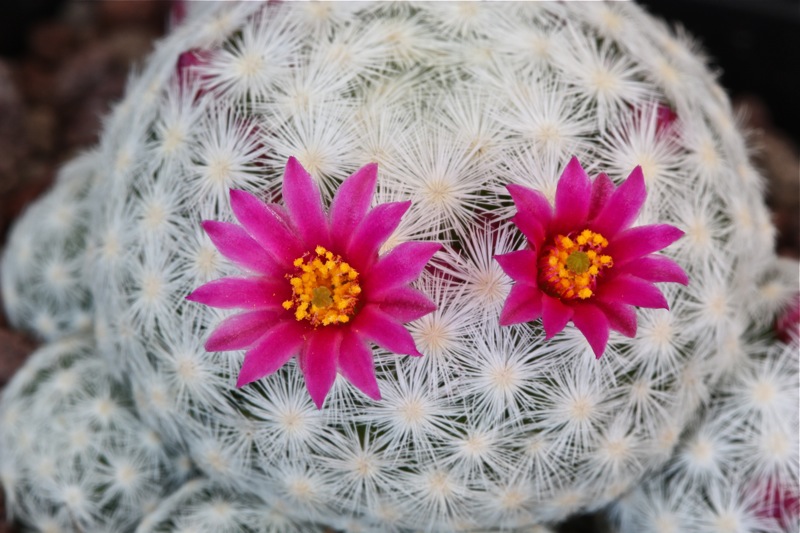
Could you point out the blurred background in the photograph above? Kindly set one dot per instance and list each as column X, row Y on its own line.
column 64, row 62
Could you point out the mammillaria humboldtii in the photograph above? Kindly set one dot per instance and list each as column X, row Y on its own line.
column 73, row 455
column 494, row 426
column 43, row 288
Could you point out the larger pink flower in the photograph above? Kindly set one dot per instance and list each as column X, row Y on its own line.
column 584, row 262
column 316, row 286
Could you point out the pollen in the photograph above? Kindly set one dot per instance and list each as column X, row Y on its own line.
column 325, row 289
column 570, row 266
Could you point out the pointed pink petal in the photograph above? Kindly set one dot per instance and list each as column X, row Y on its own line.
column 318, row 361
column 621, row 317
column 242, row 293
column 519, row 265
column 351, row 203
column 633, row 291
column 656, row 268
column 268, row 226
column 271, row 351
column 405, row 304
column 636, row 242
column 402, row 265
column 555, row 315
column 531, row 228
column 534, row 212
column 242, row 330
column 524, row 303
column 377, row 226
column 234, row 243
column 303, row 200
column 594, row 326
column 573, row 194
column 377, row 326
column 602, row 189
column 622, row 207
column 357, row 365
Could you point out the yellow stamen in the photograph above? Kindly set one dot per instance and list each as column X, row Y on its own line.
column 325, row 289
column 570, row 266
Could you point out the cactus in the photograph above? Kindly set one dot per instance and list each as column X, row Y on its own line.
column 73, row 456
column 43, row 266
column 736, row 469
column 494, row 426
column 201, row 506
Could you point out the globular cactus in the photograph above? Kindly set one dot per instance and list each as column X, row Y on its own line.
column 43, row 288
column 73, row 455
column 736, row 469
column 201, row 506
column 494, row 426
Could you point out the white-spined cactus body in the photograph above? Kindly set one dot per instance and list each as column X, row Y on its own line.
column 43, row 265
column 494, row 426
column 200, row 506
column 736, row 469
column 73, row 455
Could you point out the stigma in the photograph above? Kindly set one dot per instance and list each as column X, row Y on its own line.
column 570, row 266
column 325, row 289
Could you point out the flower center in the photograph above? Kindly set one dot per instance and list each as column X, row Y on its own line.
column 569, row 267
column 325, row 289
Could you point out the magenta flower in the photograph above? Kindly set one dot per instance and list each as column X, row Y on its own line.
column 584, row 262
column 316, row 287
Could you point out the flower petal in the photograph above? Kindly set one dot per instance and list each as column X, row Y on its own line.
column 631, row 290
column 357, row 365
column 240, row 331
column 534, row 212
column 267, row 225
column 524, row 303
column 373, row 231
column 350, row 204
column 594, row 326
column 573, row 194
column 622, row 207
column 405, row 304
column 519, row 265
column 242, row 293
column 271, row 351
column 621, row 317
column 318, row 361
column 555, row 315
column 234, row 243
column 402, row 265
column 377, row 326
column 303, row 200
column 656, row 268
column 602, row 189
column 636, row 242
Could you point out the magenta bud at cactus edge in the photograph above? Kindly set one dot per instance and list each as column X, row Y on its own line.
column 392, row 267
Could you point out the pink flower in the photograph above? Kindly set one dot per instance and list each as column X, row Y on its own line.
column 316, row 287
column 584, row 262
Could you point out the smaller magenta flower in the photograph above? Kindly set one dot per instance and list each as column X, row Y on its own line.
column 584, row 263
column 316, row 287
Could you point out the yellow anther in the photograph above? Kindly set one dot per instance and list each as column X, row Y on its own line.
column 572, row 263
column 325, row 289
